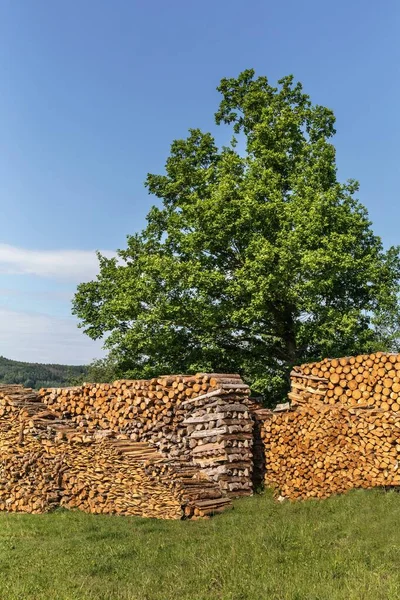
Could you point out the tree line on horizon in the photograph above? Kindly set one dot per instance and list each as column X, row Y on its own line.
column 254, row 260
column 38, row 375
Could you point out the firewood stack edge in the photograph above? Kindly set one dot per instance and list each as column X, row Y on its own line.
column 341, row 431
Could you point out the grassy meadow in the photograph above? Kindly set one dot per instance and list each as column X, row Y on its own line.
column 343, row 548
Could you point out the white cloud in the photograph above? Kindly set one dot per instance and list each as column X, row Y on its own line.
column 48, row 294
column 71, row 265
column 34, row 337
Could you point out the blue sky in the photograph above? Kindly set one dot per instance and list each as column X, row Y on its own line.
column 92, row 93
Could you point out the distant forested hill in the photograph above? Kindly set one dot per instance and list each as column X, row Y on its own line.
column 37, row 375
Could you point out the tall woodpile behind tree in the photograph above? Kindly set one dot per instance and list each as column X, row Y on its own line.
column 343, row 430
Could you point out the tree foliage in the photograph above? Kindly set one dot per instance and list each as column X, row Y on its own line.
column 255, row 259
column 102, row 370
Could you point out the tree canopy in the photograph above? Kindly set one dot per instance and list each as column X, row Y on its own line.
column 256, row 258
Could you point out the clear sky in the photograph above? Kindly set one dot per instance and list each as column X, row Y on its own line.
column 92, row 93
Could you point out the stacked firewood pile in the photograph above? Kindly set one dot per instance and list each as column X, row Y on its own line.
column 47, row 461
column 365, row 380
column 200, row 419
column 180, row 446
column 342, row 431
column 317, row 452
column 219, row 430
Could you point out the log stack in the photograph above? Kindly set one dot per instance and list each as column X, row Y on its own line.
column 200, row 419
column 171, row 447
column 182, row 446
column 367, row 380
column 341, row 431
column 316, row 452
column 47, row 461
column 219, row 430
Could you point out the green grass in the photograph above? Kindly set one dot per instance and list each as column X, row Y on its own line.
column 346, row 547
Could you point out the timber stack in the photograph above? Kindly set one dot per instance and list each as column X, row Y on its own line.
column 341, row 431
column 170, row 447
column 202, row 419
column 47, row 461
column 369, row 380
column 219, row 430
column 183, row 446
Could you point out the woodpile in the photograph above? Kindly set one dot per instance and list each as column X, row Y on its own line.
column 219, row 430
column 342, row 430
column 316, row 452
column 365, row 380
column 182, row 446
column 47, row 461
column 171, row 447
column 200, row 419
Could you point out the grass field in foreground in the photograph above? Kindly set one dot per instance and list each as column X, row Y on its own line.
column 346, row 547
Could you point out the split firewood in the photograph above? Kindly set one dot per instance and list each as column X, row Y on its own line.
column 342, row 431
column 178, row 415
column 372, row 379
column 172, row 447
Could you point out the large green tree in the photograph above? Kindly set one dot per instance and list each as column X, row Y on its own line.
column 255, row 259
